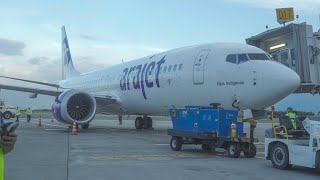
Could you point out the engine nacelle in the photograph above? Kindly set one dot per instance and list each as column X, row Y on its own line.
column 74, row 105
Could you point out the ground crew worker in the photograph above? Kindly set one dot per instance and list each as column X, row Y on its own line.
column 29, row 113
column 18, row 112
column 292, row 117
column 120, row 119
column 6, row 145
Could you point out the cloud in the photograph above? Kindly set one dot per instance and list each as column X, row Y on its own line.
column 88, row 63
column 305, row 5
column 88, row 37
column 37, row 60
column 11, row 47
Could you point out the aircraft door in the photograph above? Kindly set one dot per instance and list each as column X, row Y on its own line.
column 198, row 67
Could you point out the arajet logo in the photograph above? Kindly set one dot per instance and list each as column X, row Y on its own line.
column 141, row 78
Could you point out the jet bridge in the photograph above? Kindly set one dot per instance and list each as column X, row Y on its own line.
column 297, row 47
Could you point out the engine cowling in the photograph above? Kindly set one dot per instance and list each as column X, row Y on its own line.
column 74, row 105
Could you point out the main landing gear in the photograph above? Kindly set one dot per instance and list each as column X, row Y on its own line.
column 84, row 126
column 144, row 122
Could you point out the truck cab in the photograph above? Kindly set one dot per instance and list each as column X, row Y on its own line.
column 7, row 111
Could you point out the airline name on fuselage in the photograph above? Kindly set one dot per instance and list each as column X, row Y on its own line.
column 230, row 83
column 140, row 79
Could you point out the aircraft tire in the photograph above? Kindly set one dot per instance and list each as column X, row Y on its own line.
column 138, row 123
column 149, row 122
column 85, row 126
column 206, row 147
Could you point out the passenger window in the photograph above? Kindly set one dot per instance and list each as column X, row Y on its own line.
column 242, row 58
column 170, row 67
column 175, row 68
column 180, row 67
column 232, row 58
column 165, row 69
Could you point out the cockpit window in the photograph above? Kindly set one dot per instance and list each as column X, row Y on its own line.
column 232, row 58
column 242, row 58
column 258, row 56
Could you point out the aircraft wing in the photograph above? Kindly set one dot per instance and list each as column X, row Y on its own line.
column 103, row 100
column 31, row 90
column 30, row 81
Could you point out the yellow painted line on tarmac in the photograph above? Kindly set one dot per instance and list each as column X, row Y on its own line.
column 136, row 157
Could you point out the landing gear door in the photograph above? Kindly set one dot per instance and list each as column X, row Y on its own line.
column 198, row 67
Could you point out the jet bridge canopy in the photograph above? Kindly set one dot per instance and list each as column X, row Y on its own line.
column 297, row 47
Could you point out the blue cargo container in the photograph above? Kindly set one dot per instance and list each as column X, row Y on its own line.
column 210, row 127
column 206, row 120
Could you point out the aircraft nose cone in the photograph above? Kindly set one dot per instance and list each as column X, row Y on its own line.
column 289, row 81
column 282, row 81
column 278, row 82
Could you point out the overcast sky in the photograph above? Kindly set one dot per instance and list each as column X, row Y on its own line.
column 103, row 32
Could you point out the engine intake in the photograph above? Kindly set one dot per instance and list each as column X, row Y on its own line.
column 74, row 105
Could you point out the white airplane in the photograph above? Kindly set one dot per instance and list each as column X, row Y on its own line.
column 237, row 76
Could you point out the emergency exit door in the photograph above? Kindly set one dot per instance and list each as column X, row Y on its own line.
column 198, row 67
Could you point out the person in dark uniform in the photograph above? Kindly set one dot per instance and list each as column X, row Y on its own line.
column 120, row 119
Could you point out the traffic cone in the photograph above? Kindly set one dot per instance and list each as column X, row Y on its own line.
column 52, row 119
column 74, row 128
column 39, row 124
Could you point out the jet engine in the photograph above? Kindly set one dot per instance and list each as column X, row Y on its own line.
column 73, row 105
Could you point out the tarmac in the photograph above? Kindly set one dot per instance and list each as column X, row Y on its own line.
column 110, row 151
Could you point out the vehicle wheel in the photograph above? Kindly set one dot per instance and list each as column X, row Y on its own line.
column 250, row 153
column 7, row 115
column 85, row 126
column 206, row 147
column 176, row 143
column 234, row 150
column 149, row 122
column 138, row 123
column 280, row 156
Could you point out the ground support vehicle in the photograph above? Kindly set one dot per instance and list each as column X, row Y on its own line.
column 286, row 146
column 7, row 111
column 212, row 127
